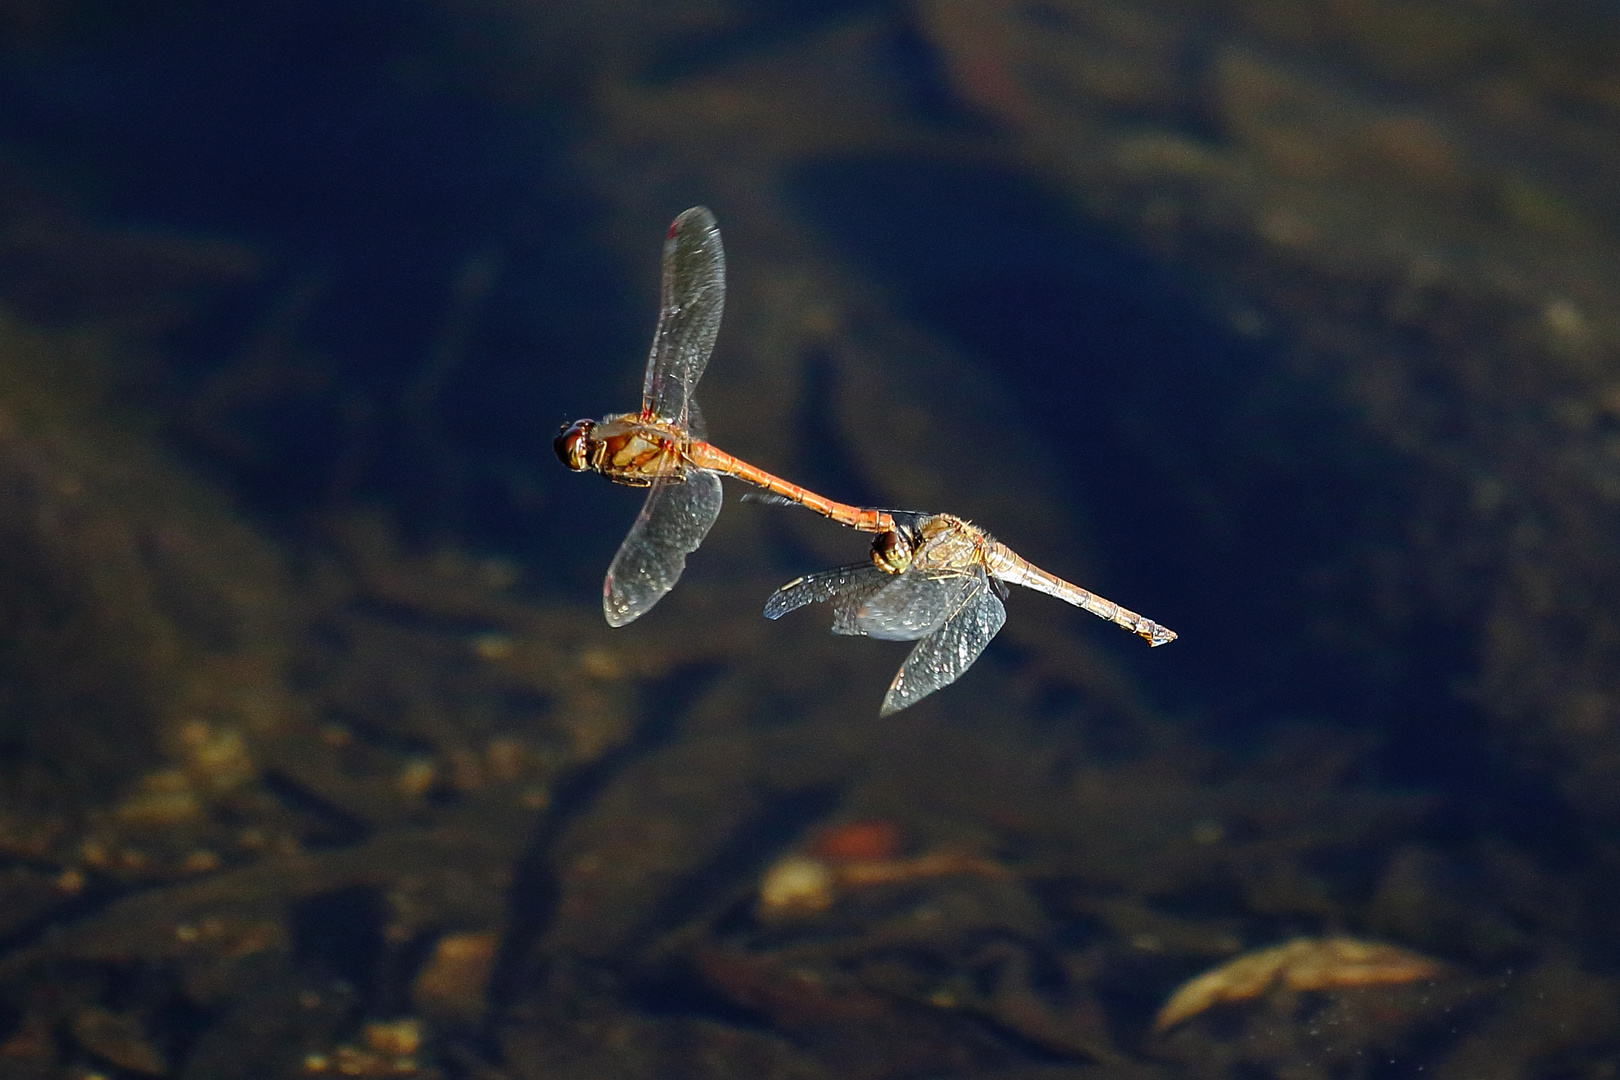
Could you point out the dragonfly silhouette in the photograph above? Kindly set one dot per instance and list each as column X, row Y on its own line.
column 661, row 446
column 937, row 580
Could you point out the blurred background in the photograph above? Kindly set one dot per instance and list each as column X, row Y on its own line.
column 1290, row 325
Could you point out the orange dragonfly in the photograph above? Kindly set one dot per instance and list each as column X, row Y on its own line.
column 662, row 448
column 937, row 580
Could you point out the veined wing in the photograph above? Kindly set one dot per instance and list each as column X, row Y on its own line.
column 940, row 658
column 846, row 586
column 673, row 522
column 695, row 424
column 693, row 294
column 913, row 605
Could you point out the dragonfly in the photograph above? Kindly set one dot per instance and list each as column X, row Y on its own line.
column 938, row 580
column 661, row 447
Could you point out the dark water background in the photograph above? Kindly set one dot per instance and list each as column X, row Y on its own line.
column 290, row 128
column 421, row 235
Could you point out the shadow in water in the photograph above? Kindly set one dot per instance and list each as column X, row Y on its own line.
column 366, row 153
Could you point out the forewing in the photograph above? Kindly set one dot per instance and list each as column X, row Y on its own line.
column 940, row 658
column 694, row 291
column 846, row 586
column 673, row 522
column 695, row 425
column 911, row 605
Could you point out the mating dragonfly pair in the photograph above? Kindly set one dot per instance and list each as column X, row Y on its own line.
column 932, row 578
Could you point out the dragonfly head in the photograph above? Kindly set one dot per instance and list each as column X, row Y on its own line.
column 892, row 551
column 574, row 444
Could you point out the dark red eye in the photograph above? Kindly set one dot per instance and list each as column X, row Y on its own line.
column 573, row 445
column 891, row 552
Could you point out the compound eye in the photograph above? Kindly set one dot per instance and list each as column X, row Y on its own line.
column 573, row 445
column 892, row 552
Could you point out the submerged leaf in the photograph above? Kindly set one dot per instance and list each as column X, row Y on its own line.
column 1301, row 965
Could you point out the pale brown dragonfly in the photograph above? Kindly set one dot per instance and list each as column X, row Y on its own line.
column 661, row 447
column 937, row 580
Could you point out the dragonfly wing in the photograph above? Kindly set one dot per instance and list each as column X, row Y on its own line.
column 694, row 292
column 912, row 605
column 847, row 605
column 846, row 586
column 695, row 425
column 673, row 522
column 940, row 658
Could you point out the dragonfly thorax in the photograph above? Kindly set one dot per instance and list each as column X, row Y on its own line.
column 946, row 543
column 626, row 449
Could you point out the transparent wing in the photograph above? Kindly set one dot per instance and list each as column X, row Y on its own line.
column 846, row 586
column 940, row 658
column 673, row 522
column 912, row 605
column 694, row 291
